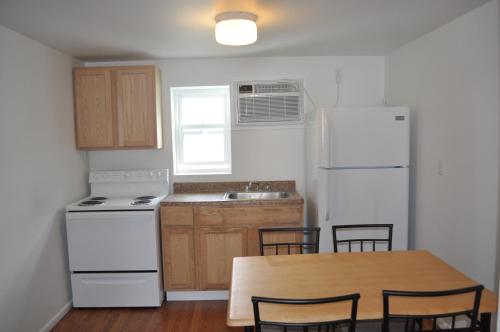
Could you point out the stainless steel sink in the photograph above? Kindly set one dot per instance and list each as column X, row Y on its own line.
column 257, row 195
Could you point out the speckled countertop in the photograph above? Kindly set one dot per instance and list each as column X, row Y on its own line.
column 213, row 193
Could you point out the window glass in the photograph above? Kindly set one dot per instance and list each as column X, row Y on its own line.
column 201, row 130
column 202, row 110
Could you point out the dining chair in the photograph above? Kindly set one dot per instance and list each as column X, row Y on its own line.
column 316, row 305
column 289, row 240
column 457, row 309
column 362, row 238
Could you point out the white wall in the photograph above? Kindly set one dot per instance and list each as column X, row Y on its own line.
column 40, row 172
column 498, row 204
column 450, row 78
column 264, row 154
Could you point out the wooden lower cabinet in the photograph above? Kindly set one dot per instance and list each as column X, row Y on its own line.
column 177, row 216
column 200, row 242
column 285, row 237
column 178, row 258
column 216, row 248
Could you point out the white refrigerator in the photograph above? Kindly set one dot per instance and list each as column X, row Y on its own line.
column 363, row 170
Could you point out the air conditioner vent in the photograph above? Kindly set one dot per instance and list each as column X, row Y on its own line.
column 269, row 109
column 277, row 88
column 269, row 102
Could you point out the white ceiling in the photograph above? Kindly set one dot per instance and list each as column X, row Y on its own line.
column 144, row 29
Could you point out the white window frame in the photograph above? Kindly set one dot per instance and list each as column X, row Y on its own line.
column 199, row 168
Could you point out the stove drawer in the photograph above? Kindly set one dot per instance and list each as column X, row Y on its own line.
column 116, row 290
column 113, row 241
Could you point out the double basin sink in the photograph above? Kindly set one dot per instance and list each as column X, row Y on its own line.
column 233, row 195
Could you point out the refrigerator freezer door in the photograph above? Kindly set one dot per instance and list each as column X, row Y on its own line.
column 369, row 137
column 371, row 196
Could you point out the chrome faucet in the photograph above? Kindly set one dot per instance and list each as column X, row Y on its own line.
column 253, row 186
column 250, row 186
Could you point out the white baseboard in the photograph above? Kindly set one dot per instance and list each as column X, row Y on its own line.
column 57, row 317
column 197, row 296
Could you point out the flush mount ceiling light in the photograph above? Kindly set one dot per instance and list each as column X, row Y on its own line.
column 236, row 28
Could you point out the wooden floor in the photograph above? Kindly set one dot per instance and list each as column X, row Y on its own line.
column 209, row 316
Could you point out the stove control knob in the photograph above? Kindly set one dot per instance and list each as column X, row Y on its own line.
column 128, row 175
column 158, row 174
column 151, row 174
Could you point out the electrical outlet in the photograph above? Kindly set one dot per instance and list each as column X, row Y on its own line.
column 440, row 167
column 338, row 76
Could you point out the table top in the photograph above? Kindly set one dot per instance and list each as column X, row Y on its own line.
column 327, row 275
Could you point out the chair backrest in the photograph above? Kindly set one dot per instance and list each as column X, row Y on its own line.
column 289, row 240
column 445, row 321
column 349, row 319
column 362, row 239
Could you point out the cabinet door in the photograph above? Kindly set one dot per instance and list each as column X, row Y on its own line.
column 136, row 106
column 93, row 108
column 217, row 246
column 285, row 237
column 178, row 258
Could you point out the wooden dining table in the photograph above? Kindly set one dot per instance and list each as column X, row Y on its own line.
column 334, row 274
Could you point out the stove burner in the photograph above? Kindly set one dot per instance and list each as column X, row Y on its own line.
column 91, row 202
column 145, row 197
column 141, row 202
column 98, row 198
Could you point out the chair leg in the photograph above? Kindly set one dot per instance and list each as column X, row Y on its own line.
column 485, row 322
column 418, row 324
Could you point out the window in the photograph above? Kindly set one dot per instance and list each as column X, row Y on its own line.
column 201, row 130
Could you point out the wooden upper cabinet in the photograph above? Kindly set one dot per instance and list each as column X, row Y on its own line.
column 130, row 117
column 93, row 109
column 135, row 107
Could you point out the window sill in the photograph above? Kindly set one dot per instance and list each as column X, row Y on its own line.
column 203, row 173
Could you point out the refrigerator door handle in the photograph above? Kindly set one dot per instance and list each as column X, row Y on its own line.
column 325, row 140
column 327, row 212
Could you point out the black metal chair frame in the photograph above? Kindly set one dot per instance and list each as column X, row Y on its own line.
column 304, row 245
column 387, row 240
column 417, row 319
column 351, row 321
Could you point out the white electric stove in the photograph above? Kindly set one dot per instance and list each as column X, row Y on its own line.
column 114, row 240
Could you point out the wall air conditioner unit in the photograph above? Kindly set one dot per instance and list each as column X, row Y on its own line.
column 277, row 102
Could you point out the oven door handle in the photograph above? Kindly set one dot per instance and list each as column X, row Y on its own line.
column 113, row 280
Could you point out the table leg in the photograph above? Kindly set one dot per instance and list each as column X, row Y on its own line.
column 485, row 322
